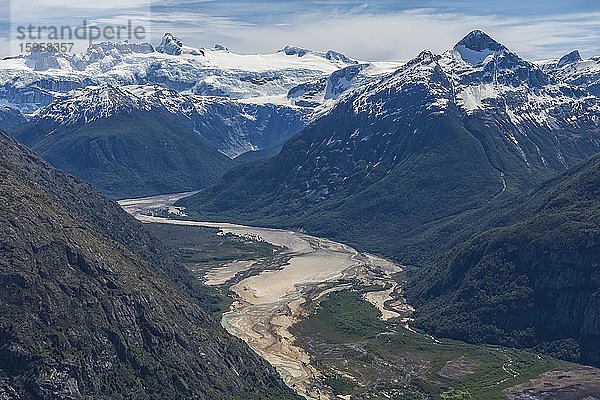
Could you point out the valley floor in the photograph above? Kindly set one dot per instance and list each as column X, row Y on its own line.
column 334, row 324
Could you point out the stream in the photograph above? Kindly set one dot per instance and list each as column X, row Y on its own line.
column 269, row 303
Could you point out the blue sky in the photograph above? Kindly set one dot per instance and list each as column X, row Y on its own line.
column 369, row 30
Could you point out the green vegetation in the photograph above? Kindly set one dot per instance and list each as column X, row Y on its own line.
column 347, row 316
column 387, row 358
column 130, row 155
column 198, row 245
column 528, row 278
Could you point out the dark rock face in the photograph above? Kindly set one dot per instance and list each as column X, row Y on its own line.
column 173, row 45
column 570, row 58
column 9, row 118
column 337, row 56
column 340, row 80
column 479, row 41
column 295, row 51
column 92, row 307
column 170, row 44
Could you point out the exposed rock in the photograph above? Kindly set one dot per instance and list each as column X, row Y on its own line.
column 570, row 58
column 173, row 45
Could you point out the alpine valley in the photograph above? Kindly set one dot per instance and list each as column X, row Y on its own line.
column 421, row 229
column 413, row 164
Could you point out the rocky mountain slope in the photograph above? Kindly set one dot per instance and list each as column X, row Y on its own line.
column 529, row 277
column 232, row 127
column 127, row 145
column 10, row 117
column 92, row 307
column 442, row 135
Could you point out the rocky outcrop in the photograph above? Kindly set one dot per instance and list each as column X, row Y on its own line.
column 173, row 45
column 572, row 57
column 9, row 118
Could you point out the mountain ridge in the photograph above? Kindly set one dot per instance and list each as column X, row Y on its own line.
column 407, row 150
column 134, row 152
column 93, row 306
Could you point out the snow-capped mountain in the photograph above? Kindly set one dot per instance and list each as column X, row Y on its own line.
column 233, row 127
column 528, row 118
column 92, row 103
column 532, row 111
column 127, row 141
column 331, row 55
column 456, row 129
column 531, row 114
column 31, row 82
column 173, row 45
column 248, row 95
column 576, row 71
column 328, row 89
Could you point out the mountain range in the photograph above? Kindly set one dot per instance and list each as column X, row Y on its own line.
column 472, row 166
column 414, row 164
column 441, row 135
column 573, row 69
column 126, row 145
column 188, row 103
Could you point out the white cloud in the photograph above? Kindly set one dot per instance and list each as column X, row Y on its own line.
column 400, row 35
column 361, row 34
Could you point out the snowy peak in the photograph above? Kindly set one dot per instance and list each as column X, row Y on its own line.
column 220, row 47
column 330, row 55
column 480, row 41
column 477, row 46
column 294, row 51
column 120, row 47
column 572, row 57
column 479, row 59
column 173, row 45
column 170, row 44
column 43, row 61
column 337, row 56
column 572, row 69
column 93, row 103
column 108, row 53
